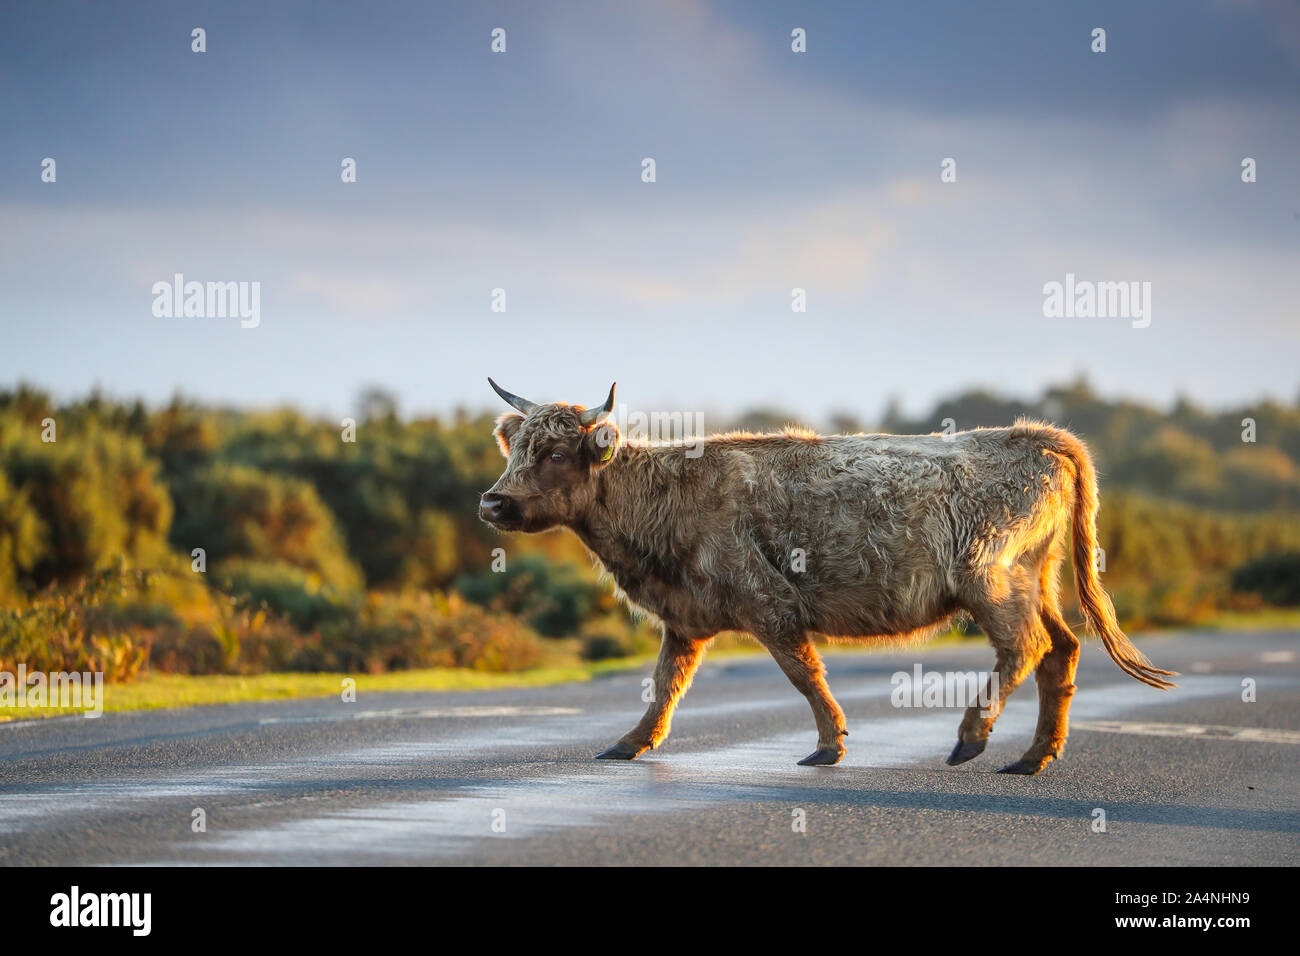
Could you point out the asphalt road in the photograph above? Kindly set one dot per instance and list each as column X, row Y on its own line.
column 1191, row 776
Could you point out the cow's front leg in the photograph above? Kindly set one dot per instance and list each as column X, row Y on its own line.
column 678, row 659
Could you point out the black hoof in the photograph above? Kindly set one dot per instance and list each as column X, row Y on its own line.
column 620, row 751
column 1026, row 768
column 966, row 750
column 822, row 758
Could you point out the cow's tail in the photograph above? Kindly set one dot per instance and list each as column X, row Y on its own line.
column 1093, row 599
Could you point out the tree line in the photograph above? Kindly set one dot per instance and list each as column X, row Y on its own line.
column 198, row 539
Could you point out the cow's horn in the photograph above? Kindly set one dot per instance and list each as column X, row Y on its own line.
column 519, row 404
column 593, row 415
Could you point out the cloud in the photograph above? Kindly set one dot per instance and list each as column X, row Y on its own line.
column 362, row 296
column 834, row 245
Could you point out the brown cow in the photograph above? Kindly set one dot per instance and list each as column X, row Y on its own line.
column 896, row 534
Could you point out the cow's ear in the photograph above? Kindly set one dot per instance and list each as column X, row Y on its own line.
column 507, row 425
column 602, row 443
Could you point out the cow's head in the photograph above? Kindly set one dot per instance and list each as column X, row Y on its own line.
column 553, row 454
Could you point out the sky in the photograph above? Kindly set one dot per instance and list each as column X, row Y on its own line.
column 774, row 170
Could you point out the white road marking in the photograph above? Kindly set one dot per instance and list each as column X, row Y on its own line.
column 1261, row 735
column 1277, row 657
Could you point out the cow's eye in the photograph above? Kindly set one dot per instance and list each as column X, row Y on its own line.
column 557, row 456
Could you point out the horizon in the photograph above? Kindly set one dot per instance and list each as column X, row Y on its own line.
column 825, row 418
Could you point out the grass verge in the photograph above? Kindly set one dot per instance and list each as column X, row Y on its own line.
column 160, row 691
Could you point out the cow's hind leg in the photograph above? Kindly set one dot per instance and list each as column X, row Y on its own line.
column 1055, row 679
column 679, row 657
column 1010, row 618
column 799, row 659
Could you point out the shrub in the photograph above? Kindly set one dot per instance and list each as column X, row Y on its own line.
column 553, row 597
column 290, row 591
column 414, row 629
column 1274, row 577
column 237, row 512
column 94, row 494
column 66, row 632
column 22, row 540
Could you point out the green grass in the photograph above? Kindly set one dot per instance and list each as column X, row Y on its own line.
column 1265, row 619
column 176, row 690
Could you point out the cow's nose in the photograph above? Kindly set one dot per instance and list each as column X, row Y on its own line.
column 490, row 505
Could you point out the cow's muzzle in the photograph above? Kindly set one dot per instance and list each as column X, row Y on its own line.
column 499, row 510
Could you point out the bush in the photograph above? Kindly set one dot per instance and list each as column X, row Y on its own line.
column 616, row 634
column 121, row 622
column 554, row 598
column 236, row 512
column 290, row 591
column 23, row 539
column 601, row 647
column 94, row 495
column 1274, row 577
column 69, row 632
column 415, row 629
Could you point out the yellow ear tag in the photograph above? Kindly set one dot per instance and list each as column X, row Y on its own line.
column 609, row 453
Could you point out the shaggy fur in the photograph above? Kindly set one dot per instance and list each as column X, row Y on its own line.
column 896, row 533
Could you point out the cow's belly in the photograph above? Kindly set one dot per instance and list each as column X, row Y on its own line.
column 893, row 604
column 842, row 620
column 696, row 611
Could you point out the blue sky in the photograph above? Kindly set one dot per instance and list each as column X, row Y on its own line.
column 775, row 170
